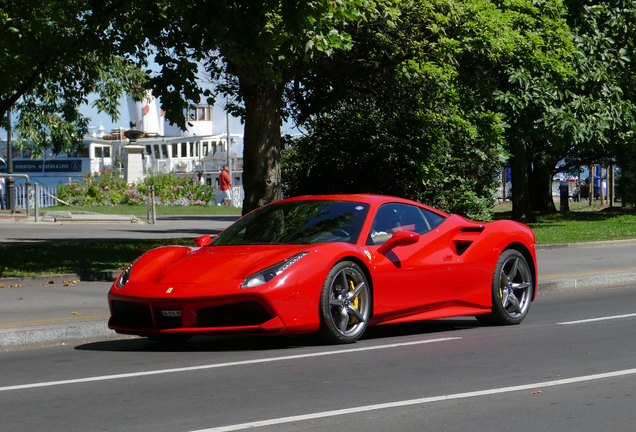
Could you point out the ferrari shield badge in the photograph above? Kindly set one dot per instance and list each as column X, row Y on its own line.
column 169, row 290
column 368, row 254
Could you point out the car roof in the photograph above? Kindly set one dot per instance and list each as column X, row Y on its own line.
column 372, row 199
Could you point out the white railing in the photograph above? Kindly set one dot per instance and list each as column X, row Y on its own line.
column 238, row 194
column 45, row 196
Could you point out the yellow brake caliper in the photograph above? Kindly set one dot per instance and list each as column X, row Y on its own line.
column 355, row 302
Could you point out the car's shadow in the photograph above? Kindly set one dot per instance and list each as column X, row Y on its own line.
column 267, row 343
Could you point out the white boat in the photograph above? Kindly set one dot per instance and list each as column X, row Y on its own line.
column 166, row 149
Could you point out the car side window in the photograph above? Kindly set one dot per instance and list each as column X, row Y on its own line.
column 393, row 217
column 433, row 218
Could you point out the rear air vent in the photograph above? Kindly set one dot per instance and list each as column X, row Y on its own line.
column 471, row 230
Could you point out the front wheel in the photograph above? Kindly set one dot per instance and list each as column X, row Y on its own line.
column 345, row 304
column 512, row 286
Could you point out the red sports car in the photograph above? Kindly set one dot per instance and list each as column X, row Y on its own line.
column 331, row 264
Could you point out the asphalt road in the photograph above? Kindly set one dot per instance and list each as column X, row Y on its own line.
column 443, row 375
column 20, row 231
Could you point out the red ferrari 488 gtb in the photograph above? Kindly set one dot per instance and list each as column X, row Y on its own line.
column 331, row 264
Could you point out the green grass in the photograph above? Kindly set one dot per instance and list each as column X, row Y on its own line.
column 28, row 259
column 577, row 227
column 34, row 259
column 581, row 224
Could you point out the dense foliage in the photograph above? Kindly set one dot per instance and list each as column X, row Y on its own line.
column 406, row 138
column 436, row 128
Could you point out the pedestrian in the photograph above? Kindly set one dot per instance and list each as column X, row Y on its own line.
column 2, row 187
column 225, row 184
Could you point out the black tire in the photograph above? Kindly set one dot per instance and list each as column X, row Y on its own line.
column 345, row 304
column 170, row 339
column 512, row 288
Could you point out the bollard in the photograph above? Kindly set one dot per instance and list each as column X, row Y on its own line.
column 28, row 197
column 564, row 191
column 37, row 204
column 148, row 205
column 154, row 211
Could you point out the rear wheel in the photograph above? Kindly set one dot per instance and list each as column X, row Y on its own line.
column 345, row 304
column 512, row 286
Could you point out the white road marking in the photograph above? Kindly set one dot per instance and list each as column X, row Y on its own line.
column 598, row 319
column 420, row 401
column 220, row 365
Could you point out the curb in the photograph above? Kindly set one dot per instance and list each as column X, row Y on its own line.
column 105, row 276
column 584, row 244
column 57, row 335
column 586, row 283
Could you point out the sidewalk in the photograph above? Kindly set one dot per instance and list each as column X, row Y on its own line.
column 49, row 310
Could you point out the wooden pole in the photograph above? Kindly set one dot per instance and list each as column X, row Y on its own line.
column 611, row 185
column 578, row 185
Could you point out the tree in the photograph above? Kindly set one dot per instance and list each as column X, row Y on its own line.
column 607, row 55
column 589, row 114
column 56, row 53
column 264, row 47
column 503, row 57
column 527, row 83
column 415, row 132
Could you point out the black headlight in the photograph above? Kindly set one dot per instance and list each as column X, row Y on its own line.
column 125, row 276
column 270, row 273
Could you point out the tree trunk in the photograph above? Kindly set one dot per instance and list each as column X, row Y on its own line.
column 262, row 142
column 540, row 186
column 521, row 206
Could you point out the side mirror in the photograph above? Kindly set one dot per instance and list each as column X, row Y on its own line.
column 202, row 241
column 400, row 238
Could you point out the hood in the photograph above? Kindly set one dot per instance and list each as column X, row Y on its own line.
column 181, row 265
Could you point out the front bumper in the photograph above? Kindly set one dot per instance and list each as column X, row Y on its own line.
column 144, row 316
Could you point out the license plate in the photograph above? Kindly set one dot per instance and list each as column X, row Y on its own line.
column 171, row 313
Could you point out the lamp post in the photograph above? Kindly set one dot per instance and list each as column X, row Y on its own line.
column 10, row 181
column 229, row 146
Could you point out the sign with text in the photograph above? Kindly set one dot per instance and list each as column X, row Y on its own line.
column 35, row 165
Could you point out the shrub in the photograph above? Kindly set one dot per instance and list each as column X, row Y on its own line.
column 109, row 188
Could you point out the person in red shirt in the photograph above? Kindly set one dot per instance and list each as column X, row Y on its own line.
column 225, row 184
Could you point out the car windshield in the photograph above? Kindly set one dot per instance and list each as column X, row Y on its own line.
column 298, row 222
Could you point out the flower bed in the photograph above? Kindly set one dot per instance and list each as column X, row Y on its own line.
column 109, row 188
